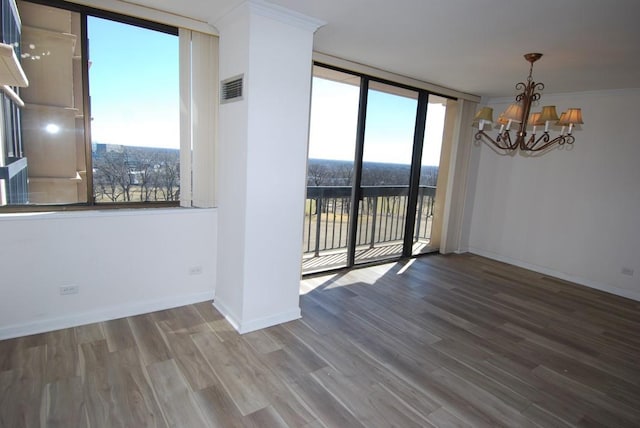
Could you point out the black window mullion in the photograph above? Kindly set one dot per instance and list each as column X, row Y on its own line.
column 86, row 107
column 414, row 178
column 356, row 190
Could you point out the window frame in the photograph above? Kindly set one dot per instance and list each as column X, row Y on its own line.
column 91, row 204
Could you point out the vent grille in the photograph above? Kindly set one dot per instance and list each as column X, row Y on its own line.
column 231, row 89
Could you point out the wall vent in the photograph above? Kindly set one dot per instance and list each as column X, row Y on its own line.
column 231, row 89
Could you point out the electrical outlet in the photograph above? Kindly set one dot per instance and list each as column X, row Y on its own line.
column 69, row 289
column 195, row 270
column 626, row 271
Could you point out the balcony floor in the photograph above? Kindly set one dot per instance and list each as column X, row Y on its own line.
column 335, row 259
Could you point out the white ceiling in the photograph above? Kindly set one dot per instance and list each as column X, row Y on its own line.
column 473, row 46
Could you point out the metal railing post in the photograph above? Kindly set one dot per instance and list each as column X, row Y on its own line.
column 373, row 223
column 419, row 215
column 318, row 214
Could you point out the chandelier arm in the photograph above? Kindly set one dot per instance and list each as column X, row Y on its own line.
column 532, row 143
column 517, row 142
column 483, row 136
column 505, row 137
column 560, row 140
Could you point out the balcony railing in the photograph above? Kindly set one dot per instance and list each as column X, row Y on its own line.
column 381, row 216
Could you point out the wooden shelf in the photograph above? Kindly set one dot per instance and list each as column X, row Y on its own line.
column 11, row 72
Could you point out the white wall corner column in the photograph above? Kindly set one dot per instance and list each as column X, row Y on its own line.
column 262, row 163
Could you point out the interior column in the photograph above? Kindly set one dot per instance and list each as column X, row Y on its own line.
column 261, row 169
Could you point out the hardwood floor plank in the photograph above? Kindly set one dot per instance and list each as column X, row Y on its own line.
column 174, row 395
column 218, row 408
column 63, row 404
column 375, row 408
column 443, row 419
column 62, row 355
column 314, row 424
column 567, row 347
column 393, row 323
column 184, row 319
column 148, row 339
column 31, row 362
column 89, row 333
column 332, row 412
column 544, row 418
column 599, row 408
column 261, row 341
column 207, row 311
column 293, row 359
column 238, row 371
column 192, row 363
column 547, row 405
column 95, row 355
column 120, row 395
column 7, row 348
column 476, row 373
column 119, row 335
column 491, row 407
column 343, row 356
column 267, row 417
column 20, row 399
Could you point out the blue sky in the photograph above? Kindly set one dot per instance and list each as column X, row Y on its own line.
column 390, row 125
column 139, row 66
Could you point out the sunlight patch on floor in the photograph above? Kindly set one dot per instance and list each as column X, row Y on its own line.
column 405, row 267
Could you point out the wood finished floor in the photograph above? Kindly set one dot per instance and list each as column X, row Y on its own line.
column 455, row 341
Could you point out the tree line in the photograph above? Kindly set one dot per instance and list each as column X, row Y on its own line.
column 136, row 174
column 325, row 172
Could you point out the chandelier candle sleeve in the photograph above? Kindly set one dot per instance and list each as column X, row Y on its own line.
column 534, row 119
column 548, row 115
column 573, row 117
column 485, row 115
column 520, row 113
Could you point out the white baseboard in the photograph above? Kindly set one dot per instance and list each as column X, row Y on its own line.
column 247, row 326
column 104, row 314
column 260, row 323
column 228, row 314
column 629, row 294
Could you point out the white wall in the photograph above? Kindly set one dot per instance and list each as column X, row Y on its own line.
column 125, row 262
column 572, row 213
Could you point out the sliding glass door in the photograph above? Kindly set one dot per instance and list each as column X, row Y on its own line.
column 374, row 152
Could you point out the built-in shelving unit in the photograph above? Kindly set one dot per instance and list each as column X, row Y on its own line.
column 52, row 119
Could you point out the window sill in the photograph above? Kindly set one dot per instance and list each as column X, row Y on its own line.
column 92, row 212
column 28, row 208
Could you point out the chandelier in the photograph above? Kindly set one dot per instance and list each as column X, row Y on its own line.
column 519, row 114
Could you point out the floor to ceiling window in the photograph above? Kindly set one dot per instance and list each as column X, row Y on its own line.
column 374, row 152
